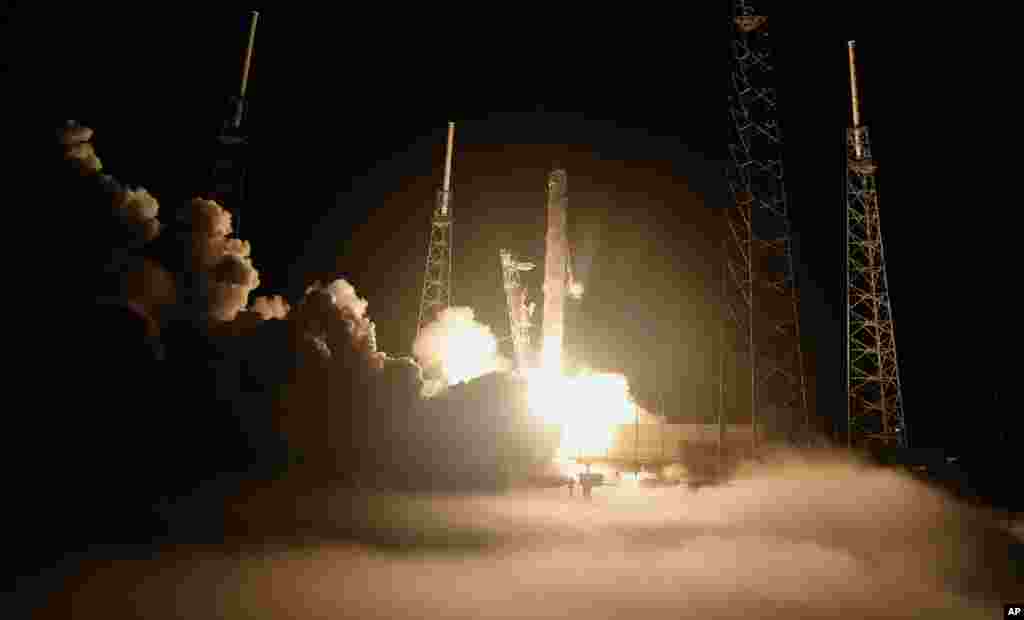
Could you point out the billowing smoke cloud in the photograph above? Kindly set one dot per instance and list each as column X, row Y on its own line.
column 224, row 262
column 274, row 307
column 809, row 541
column 78, row 150
column 463, row 348
column 220, row 264
column 138, row 209
column 345, row 298
column 334, row 316
column 135, row 209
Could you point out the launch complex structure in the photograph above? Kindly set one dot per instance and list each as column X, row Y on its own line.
column 437, row 281
column 874, row 397
column 759, row 295
column 228, row 176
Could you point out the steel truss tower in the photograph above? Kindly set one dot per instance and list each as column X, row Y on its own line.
column 228, row 176
column 761, row 293
column 874, row 400
column 437, row 282
column 519, row 312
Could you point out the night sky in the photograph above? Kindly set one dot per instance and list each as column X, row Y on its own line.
column 348, row 117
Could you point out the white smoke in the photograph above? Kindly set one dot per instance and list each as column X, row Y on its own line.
column 827, row 541
column 347, row 307
column 345, row 297
column 460, row 345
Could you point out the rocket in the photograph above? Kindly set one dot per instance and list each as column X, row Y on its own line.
column 557, row 270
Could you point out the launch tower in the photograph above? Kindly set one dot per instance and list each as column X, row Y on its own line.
column 874, row 399
column 761, row 294
column 519, row 313
column 228, row 176
column 437, row 281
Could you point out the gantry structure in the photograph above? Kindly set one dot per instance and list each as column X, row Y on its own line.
column 437, row 281
column 519, row 312
column 228, row 177
column 760, row 292
column 874, row 402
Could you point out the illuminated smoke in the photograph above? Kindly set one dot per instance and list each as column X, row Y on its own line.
column 78, row 150
column 344, row 295
column 464, row 348
column 138, row 209
column 335, row 315
column 224, row 262
column 268, row 308
column 810, row 541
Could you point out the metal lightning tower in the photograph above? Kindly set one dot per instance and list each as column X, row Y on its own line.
column 874, row 400
column 761, row 294
column 437, row 282
column 228, row 177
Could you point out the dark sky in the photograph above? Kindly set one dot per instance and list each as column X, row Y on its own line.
column 348, row 117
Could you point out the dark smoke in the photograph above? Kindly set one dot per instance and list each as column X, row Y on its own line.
column 188, row 384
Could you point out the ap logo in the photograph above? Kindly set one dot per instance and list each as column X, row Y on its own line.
column 1013, row 611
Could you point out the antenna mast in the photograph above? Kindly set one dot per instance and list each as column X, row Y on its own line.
column 874, row 405
column 437, row 281
column 761, row 289
column 519, row 312
column 229, row 174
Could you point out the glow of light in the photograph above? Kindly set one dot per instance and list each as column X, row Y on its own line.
column 586, row 407
column 551, row 355
column 469, row 353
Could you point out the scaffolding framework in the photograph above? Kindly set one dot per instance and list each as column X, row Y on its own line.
column 519, row 312
column 760, row 291
column 874, row 397
column 437, row 281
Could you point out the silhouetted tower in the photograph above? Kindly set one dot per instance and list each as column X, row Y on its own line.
column 874, row 400
column 228, row 176
column 761, row 292
column 437, row 282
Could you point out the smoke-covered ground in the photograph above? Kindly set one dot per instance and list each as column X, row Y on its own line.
column 793, row 541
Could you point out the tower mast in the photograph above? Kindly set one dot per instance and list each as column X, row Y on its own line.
column 519, row 312
column 762, row 299
column 228, row 177
column 437, row 281
column 874, row 406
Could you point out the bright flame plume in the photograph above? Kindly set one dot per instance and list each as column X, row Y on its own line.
column 587, row 407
